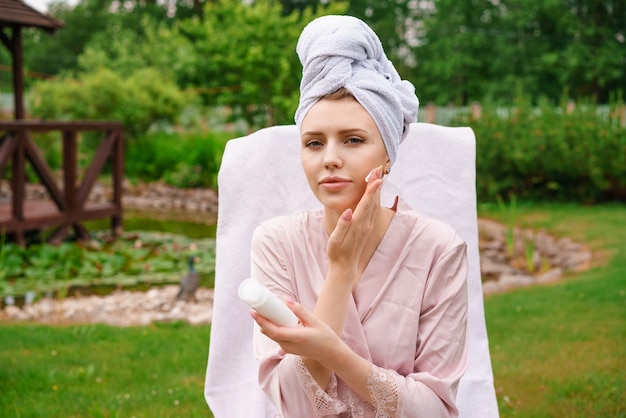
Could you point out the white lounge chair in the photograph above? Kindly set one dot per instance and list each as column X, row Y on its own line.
column 261, row 177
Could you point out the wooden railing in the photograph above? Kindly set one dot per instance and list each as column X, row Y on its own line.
column 69, row 205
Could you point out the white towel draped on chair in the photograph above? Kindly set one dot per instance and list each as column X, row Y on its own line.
column 261, row 177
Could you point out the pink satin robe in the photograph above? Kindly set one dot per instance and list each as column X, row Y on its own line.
column 408, row 316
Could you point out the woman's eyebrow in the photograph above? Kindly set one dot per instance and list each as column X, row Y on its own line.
column 311, row 133
column 353, row 131
column 340, row 132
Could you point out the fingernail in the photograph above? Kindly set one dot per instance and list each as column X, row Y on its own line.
column 347, row 215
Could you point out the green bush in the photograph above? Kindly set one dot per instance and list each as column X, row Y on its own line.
column 551, row 152
column 139, row 100
column 182, row 160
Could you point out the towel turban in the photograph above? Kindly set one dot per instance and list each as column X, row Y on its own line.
column 343, row 51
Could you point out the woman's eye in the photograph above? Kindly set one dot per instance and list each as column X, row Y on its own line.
column 313, row 143
column 355, row 140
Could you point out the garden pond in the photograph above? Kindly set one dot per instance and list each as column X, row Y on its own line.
column 154, row 250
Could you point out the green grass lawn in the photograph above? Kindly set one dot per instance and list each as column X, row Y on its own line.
column 102, row 371
column 558, row 350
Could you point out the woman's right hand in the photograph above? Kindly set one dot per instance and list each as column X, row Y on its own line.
column 352, row 231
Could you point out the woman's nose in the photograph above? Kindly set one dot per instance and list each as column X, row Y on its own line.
column 332, row 157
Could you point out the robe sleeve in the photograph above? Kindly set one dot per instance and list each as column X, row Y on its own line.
column 284, row 378
column 442, row 352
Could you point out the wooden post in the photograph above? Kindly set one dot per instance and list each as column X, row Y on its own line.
column 431, row 113
column 477, row 111
column 117, row 163
column 18, row 178
column 69, row 169
column 18, row 72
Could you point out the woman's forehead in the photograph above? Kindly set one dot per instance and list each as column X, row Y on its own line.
column 338, row 114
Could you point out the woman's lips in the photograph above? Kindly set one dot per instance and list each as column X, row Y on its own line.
column 334, row 183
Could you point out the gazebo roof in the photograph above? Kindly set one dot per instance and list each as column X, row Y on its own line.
column 18, row 13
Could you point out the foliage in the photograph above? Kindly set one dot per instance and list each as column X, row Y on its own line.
column 551, row 152
column 86, row 22
column 239, row 52
column 481, row 49
column 135, row 258
column 101, row 371
column 182, row 160
column 149, row 43
column 54, row 54
column 245, row 58
column 139, row 99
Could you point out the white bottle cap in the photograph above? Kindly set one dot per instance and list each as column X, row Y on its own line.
column 252, row 292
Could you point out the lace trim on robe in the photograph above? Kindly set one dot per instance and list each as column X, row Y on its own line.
column 324, row 403
column 359, row 407
column 386, row 389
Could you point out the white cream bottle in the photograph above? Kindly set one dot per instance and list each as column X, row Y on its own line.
column 266, row 303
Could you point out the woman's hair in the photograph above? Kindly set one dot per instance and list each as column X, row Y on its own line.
column 339, row 94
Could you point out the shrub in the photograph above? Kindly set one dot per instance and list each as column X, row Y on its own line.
column 551, row 152
column 138, row 100
column 182, row 160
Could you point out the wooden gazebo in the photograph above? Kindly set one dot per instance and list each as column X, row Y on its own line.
column 68, row 205
column 15, row 15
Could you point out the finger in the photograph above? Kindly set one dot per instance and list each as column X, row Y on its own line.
column 374, row 182
column 372, row 174
column 269, row 328
column 370, row 201
column 306, row 318
column 341, row 229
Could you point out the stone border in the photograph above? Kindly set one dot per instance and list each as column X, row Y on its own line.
column 120, row 308
column 529, row 257
column 533, row 258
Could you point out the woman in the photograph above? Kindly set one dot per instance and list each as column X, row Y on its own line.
column 380, row 292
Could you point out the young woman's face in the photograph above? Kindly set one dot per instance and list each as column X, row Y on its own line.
column 341, row 144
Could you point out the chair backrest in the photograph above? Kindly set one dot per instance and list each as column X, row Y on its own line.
column 261, row 177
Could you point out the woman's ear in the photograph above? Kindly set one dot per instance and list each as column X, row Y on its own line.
column 387, row 167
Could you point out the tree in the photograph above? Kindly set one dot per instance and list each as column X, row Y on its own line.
column 244, row 58
column 150, row 43
column 52, row 55
column 495, row 48
column 98, row 24
column 592, row 62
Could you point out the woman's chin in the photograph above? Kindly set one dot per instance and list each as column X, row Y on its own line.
column 337, row 206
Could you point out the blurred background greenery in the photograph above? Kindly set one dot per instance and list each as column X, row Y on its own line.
column 186, row 76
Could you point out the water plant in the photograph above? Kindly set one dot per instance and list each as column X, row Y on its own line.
column 510, row 215
column 134, row 258
column 529, row 250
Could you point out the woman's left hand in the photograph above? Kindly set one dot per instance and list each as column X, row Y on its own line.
column 312, row 339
